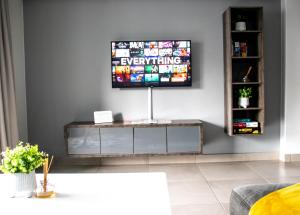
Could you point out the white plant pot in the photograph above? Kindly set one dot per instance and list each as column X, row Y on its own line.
column 243, row 102
column 22, row 184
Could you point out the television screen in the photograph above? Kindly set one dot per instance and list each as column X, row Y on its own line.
column 154, row 63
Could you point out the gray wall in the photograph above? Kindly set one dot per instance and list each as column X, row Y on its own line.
column 17, row 30
column 291, row 134
column 67, row 44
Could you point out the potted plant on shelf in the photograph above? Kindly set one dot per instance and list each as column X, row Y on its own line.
column 245, row 93
column 20, row 164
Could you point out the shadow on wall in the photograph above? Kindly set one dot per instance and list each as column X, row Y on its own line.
column 214, row 136
column 118, row 117
column 212, row 133
column 197, row 65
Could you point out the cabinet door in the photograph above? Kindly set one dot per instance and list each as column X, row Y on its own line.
column 184, row 139
column 116, row 140
column 84, row 141
column 150, row 140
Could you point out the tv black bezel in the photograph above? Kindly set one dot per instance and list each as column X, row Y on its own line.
column 188, row 84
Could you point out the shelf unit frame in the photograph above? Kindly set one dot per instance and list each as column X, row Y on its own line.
column 229, row 83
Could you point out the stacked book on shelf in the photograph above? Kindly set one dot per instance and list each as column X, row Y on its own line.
column 245, row 126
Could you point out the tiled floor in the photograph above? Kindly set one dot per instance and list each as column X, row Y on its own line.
column 205, row 188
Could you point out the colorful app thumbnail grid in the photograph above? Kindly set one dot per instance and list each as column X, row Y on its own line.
column 165, row 52
column 179, row 68
column 151, row 52
column 151, row 61
column 136, row 69
column 136, row 45
column 151, row 78
column 151, row 69
column 165, row 44
column 137, row 78
column 181, row 52
column 136, row 52
column 165, row 68
column 122, row 69
column 179, row 77
column 120, row 45
column 165, row 78
column 122, row 53
column 151, row 44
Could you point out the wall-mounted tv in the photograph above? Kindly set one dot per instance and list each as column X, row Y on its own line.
column 151, row 63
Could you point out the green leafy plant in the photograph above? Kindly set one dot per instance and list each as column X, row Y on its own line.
column 24, row 158
column 245, row 92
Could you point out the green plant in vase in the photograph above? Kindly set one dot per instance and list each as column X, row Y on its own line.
column 244, row 95
column 20, row 163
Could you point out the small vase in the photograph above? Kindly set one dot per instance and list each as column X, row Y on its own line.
column 240, row 26
column 243, row 102
column 22, row 184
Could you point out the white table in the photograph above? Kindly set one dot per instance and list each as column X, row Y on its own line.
column 99, row 193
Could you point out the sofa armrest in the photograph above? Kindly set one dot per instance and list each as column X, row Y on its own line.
column 243, row 197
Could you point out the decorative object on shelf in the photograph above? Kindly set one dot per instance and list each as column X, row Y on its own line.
column 246, row 77
column 244, row 49
column 103, row 116
column 236, row 49
column 240, row 25
column 46, row 190
column 240, row 49
column 245, row 93
column 20, row 164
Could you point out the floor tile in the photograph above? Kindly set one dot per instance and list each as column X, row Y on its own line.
column 222, row 189
column 179, row 172
column 227, row 171
column 225, row 207
column 296, row 163
column 274, row 169
column 190, row 192
column 291, row 180
column 203, row 188
column 203, row 209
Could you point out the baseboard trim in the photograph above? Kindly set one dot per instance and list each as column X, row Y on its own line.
column 290, row 157
column 294, row 157
column 170, row 159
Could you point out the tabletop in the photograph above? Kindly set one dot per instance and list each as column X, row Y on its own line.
column 95, row 193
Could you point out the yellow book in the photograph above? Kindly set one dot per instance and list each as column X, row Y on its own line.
column 245, row 129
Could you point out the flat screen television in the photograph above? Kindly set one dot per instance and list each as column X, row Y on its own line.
column 151, row 63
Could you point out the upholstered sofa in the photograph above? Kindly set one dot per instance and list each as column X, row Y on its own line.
column 243, row 197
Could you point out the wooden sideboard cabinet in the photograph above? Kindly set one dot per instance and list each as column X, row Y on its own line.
column 87, row 139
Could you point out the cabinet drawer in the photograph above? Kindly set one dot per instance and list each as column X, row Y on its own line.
column 150, row 140
column 83, row 141
column 116, row 140
column 184, row 139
